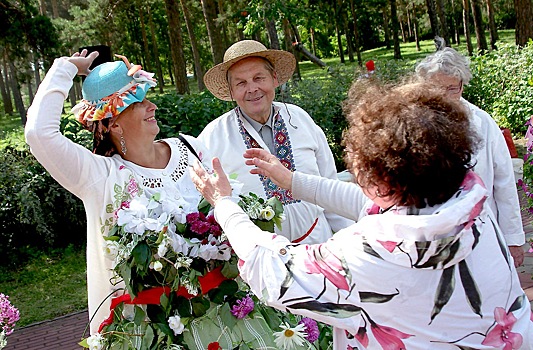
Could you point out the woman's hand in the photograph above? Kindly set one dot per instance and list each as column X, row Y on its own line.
column 268, row 165
column 82, row 61
column 212, row 187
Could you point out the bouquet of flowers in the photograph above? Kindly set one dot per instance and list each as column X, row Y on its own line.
column 9, row 315
column 181, row 280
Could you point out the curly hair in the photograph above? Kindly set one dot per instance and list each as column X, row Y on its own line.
column 446, row 61
column 410, row 138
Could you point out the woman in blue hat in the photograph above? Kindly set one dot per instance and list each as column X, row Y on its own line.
column 127, row 160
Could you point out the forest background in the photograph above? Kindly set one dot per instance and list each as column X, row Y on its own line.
column 42, row 226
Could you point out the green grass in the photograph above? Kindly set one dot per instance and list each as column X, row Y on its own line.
column 50, row 285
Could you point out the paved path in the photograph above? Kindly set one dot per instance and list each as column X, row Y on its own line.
column 64, row 333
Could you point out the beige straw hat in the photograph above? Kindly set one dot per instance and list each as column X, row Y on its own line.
column 216, row 79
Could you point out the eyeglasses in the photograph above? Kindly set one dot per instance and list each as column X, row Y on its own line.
column 454, row 89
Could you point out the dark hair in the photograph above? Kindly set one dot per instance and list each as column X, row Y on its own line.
column 102, row 143
column 411, row 138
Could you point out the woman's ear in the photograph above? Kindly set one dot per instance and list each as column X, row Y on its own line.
column 116, row 129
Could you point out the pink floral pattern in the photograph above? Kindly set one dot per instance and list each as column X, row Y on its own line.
column 501, row 334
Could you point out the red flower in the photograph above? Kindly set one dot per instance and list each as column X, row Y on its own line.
column 214, row 346
column 389, row 338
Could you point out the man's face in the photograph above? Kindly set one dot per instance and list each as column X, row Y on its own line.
column 253, row 87
column 452, row 86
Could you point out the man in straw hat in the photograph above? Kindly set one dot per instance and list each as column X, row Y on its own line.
column 249, row 76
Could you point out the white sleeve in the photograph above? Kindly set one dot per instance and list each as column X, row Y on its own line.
column 72, row 165
column 330, row 194
column 327, row 168
column 278, row 272
column 504, row 188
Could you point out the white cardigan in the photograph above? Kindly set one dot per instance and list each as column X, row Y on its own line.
column 93, row 178
column 307, row 150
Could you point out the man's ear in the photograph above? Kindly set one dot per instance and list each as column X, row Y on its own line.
column 275, row 77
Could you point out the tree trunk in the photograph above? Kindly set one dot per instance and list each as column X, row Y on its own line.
column 524, row 22
column 356, row 34
column 349, row 42
column 386, row 29
column 223, row 28
column 456, row 23
column 8, row 104
column 146, row 50
column 402, row 30
column 159, row 69
column 433, row 19
column 19, row 104
column 36, row 71
column 466, row 25
column 312, row 36
column 176, row 47
column 55, row 9
column 8, row 107
column 198, row 70
column 441, row 12
column 309, row 55
column 492, row 25
column 29, row 85
column 417, row 38
column 395, row 29
column 42, row 7
column 336, row 17
column 209, row 9
column 289, row 33
column 478, row 24
column 272, row 34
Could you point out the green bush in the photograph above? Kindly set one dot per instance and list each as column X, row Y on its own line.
column 36, row 213
column 503, row 85
column 187, row 114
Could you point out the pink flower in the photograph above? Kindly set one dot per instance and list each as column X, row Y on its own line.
column 243, row 307
column 192, row 217
column 132, row 187
column 200, row 227
column 501, row 334
column 321, row 260
column 362, row 336
column 389, row 245
column 388, row 337
column 311, row 328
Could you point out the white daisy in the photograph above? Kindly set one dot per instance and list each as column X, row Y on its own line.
column 290, row 337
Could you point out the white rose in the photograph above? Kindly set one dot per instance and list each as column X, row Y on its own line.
column 158, row 266
column 111, row 249
column 174, row 322
column 267, row 213
column 162, row 248
column 96, row 342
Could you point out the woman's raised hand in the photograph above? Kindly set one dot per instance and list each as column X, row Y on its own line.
column 268, row 165
column 212, row 187
column 83, row 61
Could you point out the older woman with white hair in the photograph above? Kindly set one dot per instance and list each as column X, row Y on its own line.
column 449, row 69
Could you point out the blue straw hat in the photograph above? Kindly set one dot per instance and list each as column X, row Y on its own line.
column 109, row 89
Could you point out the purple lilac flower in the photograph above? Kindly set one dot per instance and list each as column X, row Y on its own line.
column 9, row 315
column 243, row 307
column 311, row 328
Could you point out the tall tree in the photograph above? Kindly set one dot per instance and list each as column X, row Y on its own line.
column 209, row 8
column 433, row 18
column 144, row 36
column 155, row 48
column 466, row 25
column 386, row 28
column 198, row 70
column 524, row 22
column 176, row 47
column 478, row 25
column 395, row 29
column 443, row 23
column 336, row 18
column 356, row 33
column 492, row 25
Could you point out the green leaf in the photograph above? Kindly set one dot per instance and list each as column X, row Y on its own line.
column 142, row 255
column 444, row 290
column 140, row 315
column 225, row 289
column 265, row 225
column 225, row 315
column 83, row 343
column 200, row 305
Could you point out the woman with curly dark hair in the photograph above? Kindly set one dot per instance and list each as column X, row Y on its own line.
column 424, row 267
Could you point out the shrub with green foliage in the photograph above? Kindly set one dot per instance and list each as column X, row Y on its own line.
column 35, row 211
column 503, row 85
column 187, row 114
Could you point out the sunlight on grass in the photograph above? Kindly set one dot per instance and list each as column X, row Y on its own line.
column 49, row 286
